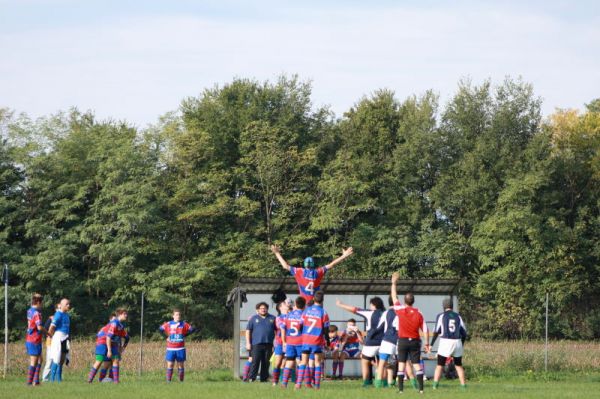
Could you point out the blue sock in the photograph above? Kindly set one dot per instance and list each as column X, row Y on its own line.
column 53, row 371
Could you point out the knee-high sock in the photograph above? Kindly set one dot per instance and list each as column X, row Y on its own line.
column 287, row 372
column 110, row 373
column 275, row 375
column 246, row 370
column 181, row 371
column 300, row 376
column 102, row 374
column 59, row 373
column 53, row 371
column 400, row 380
column 309, row 376
column 92, row 374
column 317, row 377
column 341, row 367
column 169, row 374
column 335, row 366
column 30, row 374
column 36, row 375
column 115, row 371
column 420, row 379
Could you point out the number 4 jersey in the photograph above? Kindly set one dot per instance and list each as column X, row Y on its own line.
column 309, row 280
column 315, row 320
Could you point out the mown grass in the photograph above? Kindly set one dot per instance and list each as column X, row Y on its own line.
column 218, row 384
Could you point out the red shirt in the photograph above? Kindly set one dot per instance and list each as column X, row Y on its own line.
column 410, row 321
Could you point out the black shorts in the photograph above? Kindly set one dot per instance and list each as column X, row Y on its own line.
column 409, row 348
column 63, row 347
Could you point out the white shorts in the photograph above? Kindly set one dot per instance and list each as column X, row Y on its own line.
column 388, row 348
column 370, row 351
column 450, row 347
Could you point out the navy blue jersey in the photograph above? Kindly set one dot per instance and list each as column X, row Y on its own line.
column 390, row 326
column 375, row 325
column 450, row 325
column 262, row 329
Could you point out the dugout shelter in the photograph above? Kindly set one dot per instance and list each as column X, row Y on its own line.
column 429, row 294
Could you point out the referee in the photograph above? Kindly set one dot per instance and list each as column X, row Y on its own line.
column 410, row 325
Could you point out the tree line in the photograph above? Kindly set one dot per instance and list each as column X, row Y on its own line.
column 481, row 188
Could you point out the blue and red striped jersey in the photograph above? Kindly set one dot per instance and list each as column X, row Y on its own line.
column 279, row 325
column 293, row 328
column 309, row 280
column 34, row 320
column 315, row 320
column 176, row 333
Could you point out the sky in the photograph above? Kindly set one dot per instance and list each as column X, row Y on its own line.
column 136, row 60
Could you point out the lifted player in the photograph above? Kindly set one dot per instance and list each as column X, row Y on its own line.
column 309, row 278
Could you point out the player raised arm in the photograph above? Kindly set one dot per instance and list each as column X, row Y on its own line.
column 345, row 253
column 394, row 293
column 283, row 262
column 349, row 308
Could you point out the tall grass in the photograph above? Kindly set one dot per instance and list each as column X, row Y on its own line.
column 500, row 357
column 201, row 356
column 481, row 357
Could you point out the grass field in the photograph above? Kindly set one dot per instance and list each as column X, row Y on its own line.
column 209, row 384
column 494, row 370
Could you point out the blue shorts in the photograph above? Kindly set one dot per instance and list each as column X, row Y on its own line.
column 278, row 351
column 351, row 352
column 293, row 351
column 312, row 349
column 175, row 356
column 33, row 349
column 384, row 356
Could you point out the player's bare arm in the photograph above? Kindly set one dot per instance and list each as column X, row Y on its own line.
column 339, row 304
column 393, row 291
column 108, row 347
column 283, row 262
column 345, row 253
column 283, row 343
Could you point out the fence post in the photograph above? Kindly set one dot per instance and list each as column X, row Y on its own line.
column 546, row 348
column 141, row 337
column 5, row 278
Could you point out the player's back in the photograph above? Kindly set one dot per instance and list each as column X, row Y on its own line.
column 450, row 325
column 293, row 328
column 102, row 334
column 34, row 319
column 315, row 321
column 309, row 280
